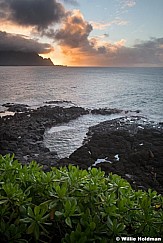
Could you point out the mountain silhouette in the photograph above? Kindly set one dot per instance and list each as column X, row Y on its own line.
column 18, row 58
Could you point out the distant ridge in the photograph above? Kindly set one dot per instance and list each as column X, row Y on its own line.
column 18, row 58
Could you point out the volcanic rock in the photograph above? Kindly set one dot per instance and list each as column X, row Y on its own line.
column 128, row 147
column 22, row 134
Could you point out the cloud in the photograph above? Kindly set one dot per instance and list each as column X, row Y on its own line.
column 99, row 25
column 102, row 26
column 128, row 3
column 151, row 50
column 73, row 36
column 38, row 13
column 74, row 39
column 101, row 37
column 106, row 35
column 75, row 31
column 11, row 42
column 145, row 53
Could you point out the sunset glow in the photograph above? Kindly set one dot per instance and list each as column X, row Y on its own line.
column 85, row 33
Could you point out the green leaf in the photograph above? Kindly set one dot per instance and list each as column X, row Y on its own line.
column 31, row 228
column 58, row 214
column 22, row 209
column 36, row 232
column 78, row 228
column 68, row 222
column 37, row 210
column 26, row 220
column 92, row 226
column 3, row 201
column 120, row 227
column 94, row 171
column 67, row 207
column 62, row 191
column 109, row 223
column 30, row 212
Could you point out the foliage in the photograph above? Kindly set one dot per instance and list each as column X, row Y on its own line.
column 70, row 205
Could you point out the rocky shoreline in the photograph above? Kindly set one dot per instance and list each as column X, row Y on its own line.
column 22, row 133
column 129, row 147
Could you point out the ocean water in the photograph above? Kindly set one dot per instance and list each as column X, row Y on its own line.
column 89, row 87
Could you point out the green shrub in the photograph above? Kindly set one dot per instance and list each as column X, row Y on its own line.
column 72, row 205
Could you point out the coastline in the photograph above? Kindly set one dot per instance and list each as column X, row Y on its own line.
column 125, row 147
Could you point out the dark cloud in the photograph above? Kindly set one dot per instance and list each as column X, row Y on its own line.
column 106, row 35
column 145, row 53
column 152, row 44
column 75, row 31
column 39, row 13
column 11, row 42
column 151, row 50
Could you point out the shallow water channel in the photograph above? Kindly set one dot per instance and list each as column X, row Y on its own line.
column 67, row 137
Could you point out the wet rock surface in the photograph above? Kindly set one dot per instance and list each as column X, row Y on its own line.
column 106, row 111
column 16, row 107
column 22, row 134
column 51, row 102
column 131, row 148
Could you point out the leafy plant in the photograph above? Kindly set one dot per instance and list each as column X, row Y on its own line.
column 70, row 205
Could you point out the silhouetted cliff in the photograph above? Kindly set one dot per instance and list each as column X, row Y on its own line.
column 18, row 58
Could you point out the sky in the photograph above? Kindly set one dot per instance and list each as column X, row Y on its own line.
column 115, row 33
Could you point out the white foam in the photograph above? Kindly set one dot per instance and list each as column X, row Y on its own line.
column 7, row 113
column 140, row 127
column 98, row 161
column 116, row 157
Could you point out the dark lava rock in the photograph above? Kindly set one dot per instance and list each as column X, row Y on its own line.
column 106, row 111
column 22, row 134
column 16, row 107
column 133, row 149
column 58, row 102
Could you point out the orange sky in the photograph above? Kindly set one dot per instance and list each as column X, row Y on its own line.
column 76, row 35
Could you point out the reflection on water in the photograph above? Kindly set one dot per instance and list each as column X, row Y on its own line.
column 121, row 88
column 66, row 138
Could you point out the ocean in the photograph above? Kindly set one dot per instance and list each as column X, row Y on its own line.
column 89, row 87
